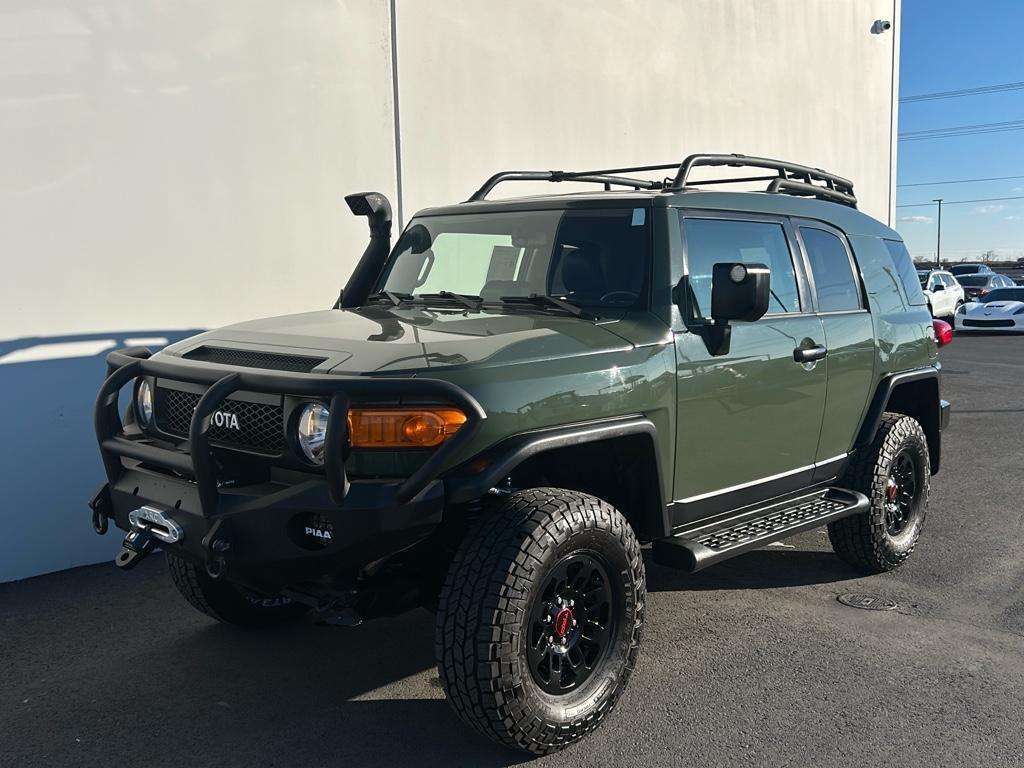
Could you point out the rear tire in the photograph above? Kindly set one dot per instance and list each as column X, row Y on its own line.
column 227, row 603
column 538, row 627
column 893, row 472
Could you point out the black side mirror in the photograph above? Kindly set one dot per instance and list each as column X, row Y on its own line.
column 939, row 287
column 739, row 291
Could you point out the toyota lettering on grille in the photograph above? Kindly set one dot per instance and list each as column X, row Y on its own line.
column 226, row 420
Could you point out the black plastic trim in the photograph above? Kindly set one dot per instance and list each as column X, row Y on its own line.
column 880, row 401
column 477, row 476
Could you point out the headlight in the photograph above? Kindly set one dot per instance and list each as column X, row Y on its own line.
column 962, row 309
column 1019, row 311
column 312, row 431
column 144, row 402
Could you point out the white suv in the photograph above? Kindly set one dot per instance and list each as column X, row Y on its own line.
column 945, row 294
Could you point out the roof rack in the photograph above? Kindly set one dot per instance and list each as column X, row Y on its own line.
column 788, row 179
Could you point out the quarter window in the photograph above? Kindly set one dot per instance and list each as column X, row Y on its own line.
column 712, row 241
column 834, row 282
column 905, row 271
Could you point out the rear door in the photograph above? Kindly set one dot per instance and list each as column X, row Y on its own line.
column 839, row 300
column 748, row 422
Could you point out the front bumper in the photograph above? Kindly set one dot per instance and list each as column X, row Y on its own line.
column 285, row 527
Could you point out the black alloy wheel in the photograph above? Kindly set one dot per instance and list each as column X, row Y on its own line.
column 570, row 624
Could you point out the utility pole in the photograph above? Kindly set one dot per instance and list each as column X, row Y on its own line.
column 938, row 235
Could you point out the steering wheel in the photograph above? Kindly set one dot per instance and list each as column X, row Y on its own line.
column 631, row 296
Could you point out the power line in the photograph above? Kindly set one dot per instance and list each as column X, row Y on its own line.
column 957, row 181
column 962, row 130
column 961, row 202
column 982, row 89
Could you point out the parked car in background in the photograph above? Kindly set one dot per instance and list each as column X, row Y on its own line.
column 999, row 310
column 945, row 295
column 971, row 269
column 977, row 286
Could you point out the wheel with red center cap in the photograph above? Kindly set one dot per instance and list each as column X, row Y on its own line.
column 538, row 627
column 893, row 472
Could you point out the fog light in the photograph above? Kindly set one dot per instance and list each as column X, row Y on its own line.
column 312, row 431
column 144, row 402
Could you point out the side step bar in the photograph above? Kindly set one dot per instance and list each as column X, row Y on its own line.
column 706, row 544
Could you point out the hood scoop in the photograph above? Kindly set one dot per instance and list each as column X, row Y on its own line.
column 253, row 359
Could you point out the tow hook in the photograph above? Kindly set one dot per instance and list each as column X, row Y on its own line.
column 136, row 545
column 101, row 509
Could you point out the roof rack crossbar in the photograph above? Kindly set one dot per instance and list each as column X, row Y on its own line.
column 789, row 178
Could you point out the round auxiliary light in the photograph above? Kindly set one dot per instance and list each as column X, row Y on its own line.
column 312, row 431
column 738, row 273
column 144, row 402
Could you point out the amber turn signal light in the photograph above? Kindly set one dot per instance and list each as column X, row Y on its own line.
column 402, row 427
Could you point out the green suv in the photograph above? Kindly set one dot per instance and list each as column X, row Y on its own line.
column 506, row 405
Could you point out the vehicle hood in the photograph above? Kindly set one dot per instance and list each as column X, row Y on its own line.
column 377, row 339
column 994, row 308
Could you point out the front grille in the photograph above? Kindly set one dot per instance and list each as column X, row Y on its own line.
column 988, row 323
column 260, row 426
column 251, row 359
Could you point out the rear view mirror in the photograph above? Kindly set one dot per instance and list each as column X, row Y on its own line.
column 739, row 291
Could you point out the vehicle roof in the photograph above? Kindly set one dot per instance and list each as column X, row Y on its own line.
column 843, row 217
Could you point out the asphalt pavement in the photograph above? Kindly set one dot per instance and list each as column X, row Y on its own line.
column 751, row 663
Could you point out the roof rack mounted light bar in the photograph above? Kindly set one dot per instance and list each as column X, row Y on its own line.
column 790, row 178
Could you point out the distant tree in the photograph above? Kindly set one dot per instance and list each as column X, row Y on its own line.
column 989, row 256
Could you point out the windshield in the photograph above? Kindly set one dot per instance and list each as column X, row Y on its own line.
column 591, row 258
column 966, row 269
column 972, row 281
column 1004, row 294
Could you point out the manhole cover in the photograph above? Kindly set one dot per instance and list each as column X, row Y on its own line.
column 868, row 602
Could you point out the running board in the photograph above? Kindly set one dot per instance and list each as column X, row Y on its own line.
column 700, row 546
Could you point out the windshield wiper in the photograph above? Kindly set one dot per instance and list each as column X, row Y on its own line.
column 465, row 299
column 541, row 299
column 395, row 297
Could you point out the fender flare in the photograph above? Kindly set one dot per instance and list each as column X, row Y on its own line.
column 936, row 414
column 475, row 477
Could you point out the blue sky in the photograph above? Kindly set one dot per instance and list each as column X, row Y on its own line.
column 947, row 45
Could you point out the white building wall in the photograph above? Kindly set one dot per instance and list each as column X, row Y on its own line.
column 167, row 166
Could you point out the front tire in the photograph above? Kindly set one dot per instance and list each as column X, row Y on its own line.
column 539, row 623
column 893, row 472
column 227, row 603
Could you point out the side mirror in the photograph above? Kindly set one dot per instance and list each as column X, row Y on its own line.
column 739, row 291
column 939, row 287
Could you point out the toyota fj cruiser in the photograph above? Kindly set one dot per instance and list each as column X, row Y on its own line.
column 502, row 407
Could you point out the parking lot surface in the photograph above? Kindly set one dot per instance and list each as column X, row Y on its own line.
column 752, row 662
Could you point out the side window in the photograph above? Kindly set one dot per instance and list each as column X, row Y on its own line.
column 905, row 271
column 710, row 241
column 834, row 282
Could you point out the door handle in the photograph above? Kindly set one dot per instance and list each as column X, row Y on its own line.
column 809, row 354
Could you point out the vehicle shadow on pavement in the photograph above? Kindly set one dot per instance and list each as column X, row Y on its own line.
column 760, row 569
column 105, row 668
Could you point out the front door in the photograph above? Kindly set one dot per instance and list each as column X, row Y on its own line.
column 749, row 421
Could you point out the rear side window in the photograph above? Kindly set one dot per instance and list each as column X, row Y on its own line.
column 710, row 241
column 834, row 282
column 905, row 271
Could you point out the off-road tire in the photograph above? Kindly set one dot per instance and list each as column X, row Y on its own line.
column 223, row 601
column 863, row 540
column 484, row 620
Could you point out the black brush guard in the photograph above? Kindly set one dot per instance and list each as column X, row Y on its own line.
column 381, row 515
